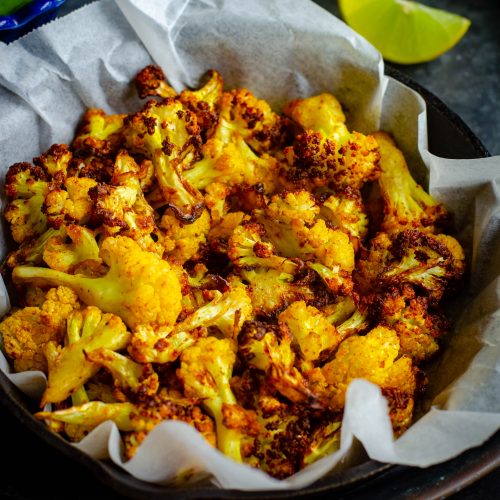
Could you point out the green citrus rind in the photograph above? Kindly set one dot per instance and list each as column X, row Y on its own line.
column 404, row 32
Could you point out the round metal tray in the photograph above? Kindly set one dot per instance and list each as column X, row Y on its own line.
column 33, row 447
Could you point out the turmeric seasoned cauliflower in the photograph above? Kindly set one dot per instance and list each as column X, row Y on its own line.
column 374, row 357
column 209, row 260
column 26, row 332
column 139, row 286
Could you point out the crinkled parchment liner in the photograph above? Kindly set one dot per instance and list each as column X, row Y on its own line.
column 280, row 50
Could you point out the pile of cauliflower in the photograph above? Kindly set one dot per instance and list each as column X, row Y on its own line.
column 208, row 260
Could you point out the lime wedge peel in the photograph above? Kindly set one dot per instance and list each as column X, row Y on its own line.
column 404, row 32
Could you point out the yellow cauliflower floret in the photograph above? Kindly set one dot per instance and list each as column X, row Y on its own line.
column 186, row 237
column 292, row 205
column 72, row 204
column 322, row 113
column 372, row 357
column 332, row 247
column 345, row 211
column 311, row 330
column 139, row 287
column 27, row 330
column 69, row 367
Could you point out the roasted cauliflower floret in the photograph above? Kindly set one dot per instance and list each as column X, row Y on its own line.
column 130, row 378
column 63, row 256
column 26, row 332
column 99, row 134
column 139, row 286
column 272, row 280
column 345, row 210
column 431, row 263
column 26, row 187
column 122, row 208
column 289, row 223
column 164, row 407
column 375, row 357
column 31, row 251
column 226, row 312
column 151, row 81
column 70, row 204
column 315, row 336
column 283, row 431
column 314, row 161
column 68, row 367
column 137, row 420
column 204, row 101
column 222, row 230
column 267, row 348
column 205, row 371
column 407, row 205
column 168, row 134
column 227, row 158
column 321, row 113
column 261, row 128
column 185, row 239
column 417, row 327
column 55, row 161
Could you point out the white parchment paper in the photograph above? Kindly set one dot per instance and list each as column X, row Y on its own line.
column 280, row 49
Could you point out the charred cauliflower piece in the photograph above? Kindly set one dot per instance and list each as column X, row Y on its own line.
column 228, row 159
column 269, row 349
column 314, row 161
column 345, row 210
column 62, row 256
column 226, row 312
column 431, row 263
column 168, row 134
column 151, row 81
column 99, row 134
column 136, row 420
column 31, row 251
column 409, row 315
column 316, row 337
column 184, row 240
column 121, row 208
column 130, row 378
column 261, row 128
column 273, row 281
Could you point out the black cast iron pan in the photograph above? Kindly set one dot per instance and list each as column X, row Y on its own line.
column 39, row 464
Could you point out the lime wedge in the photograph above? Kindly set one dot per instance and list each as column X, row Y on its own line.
column 404, row 32
column 9, row 6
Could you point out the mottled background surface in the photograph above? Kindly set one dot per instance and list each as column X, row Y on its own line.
column 467, row 79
